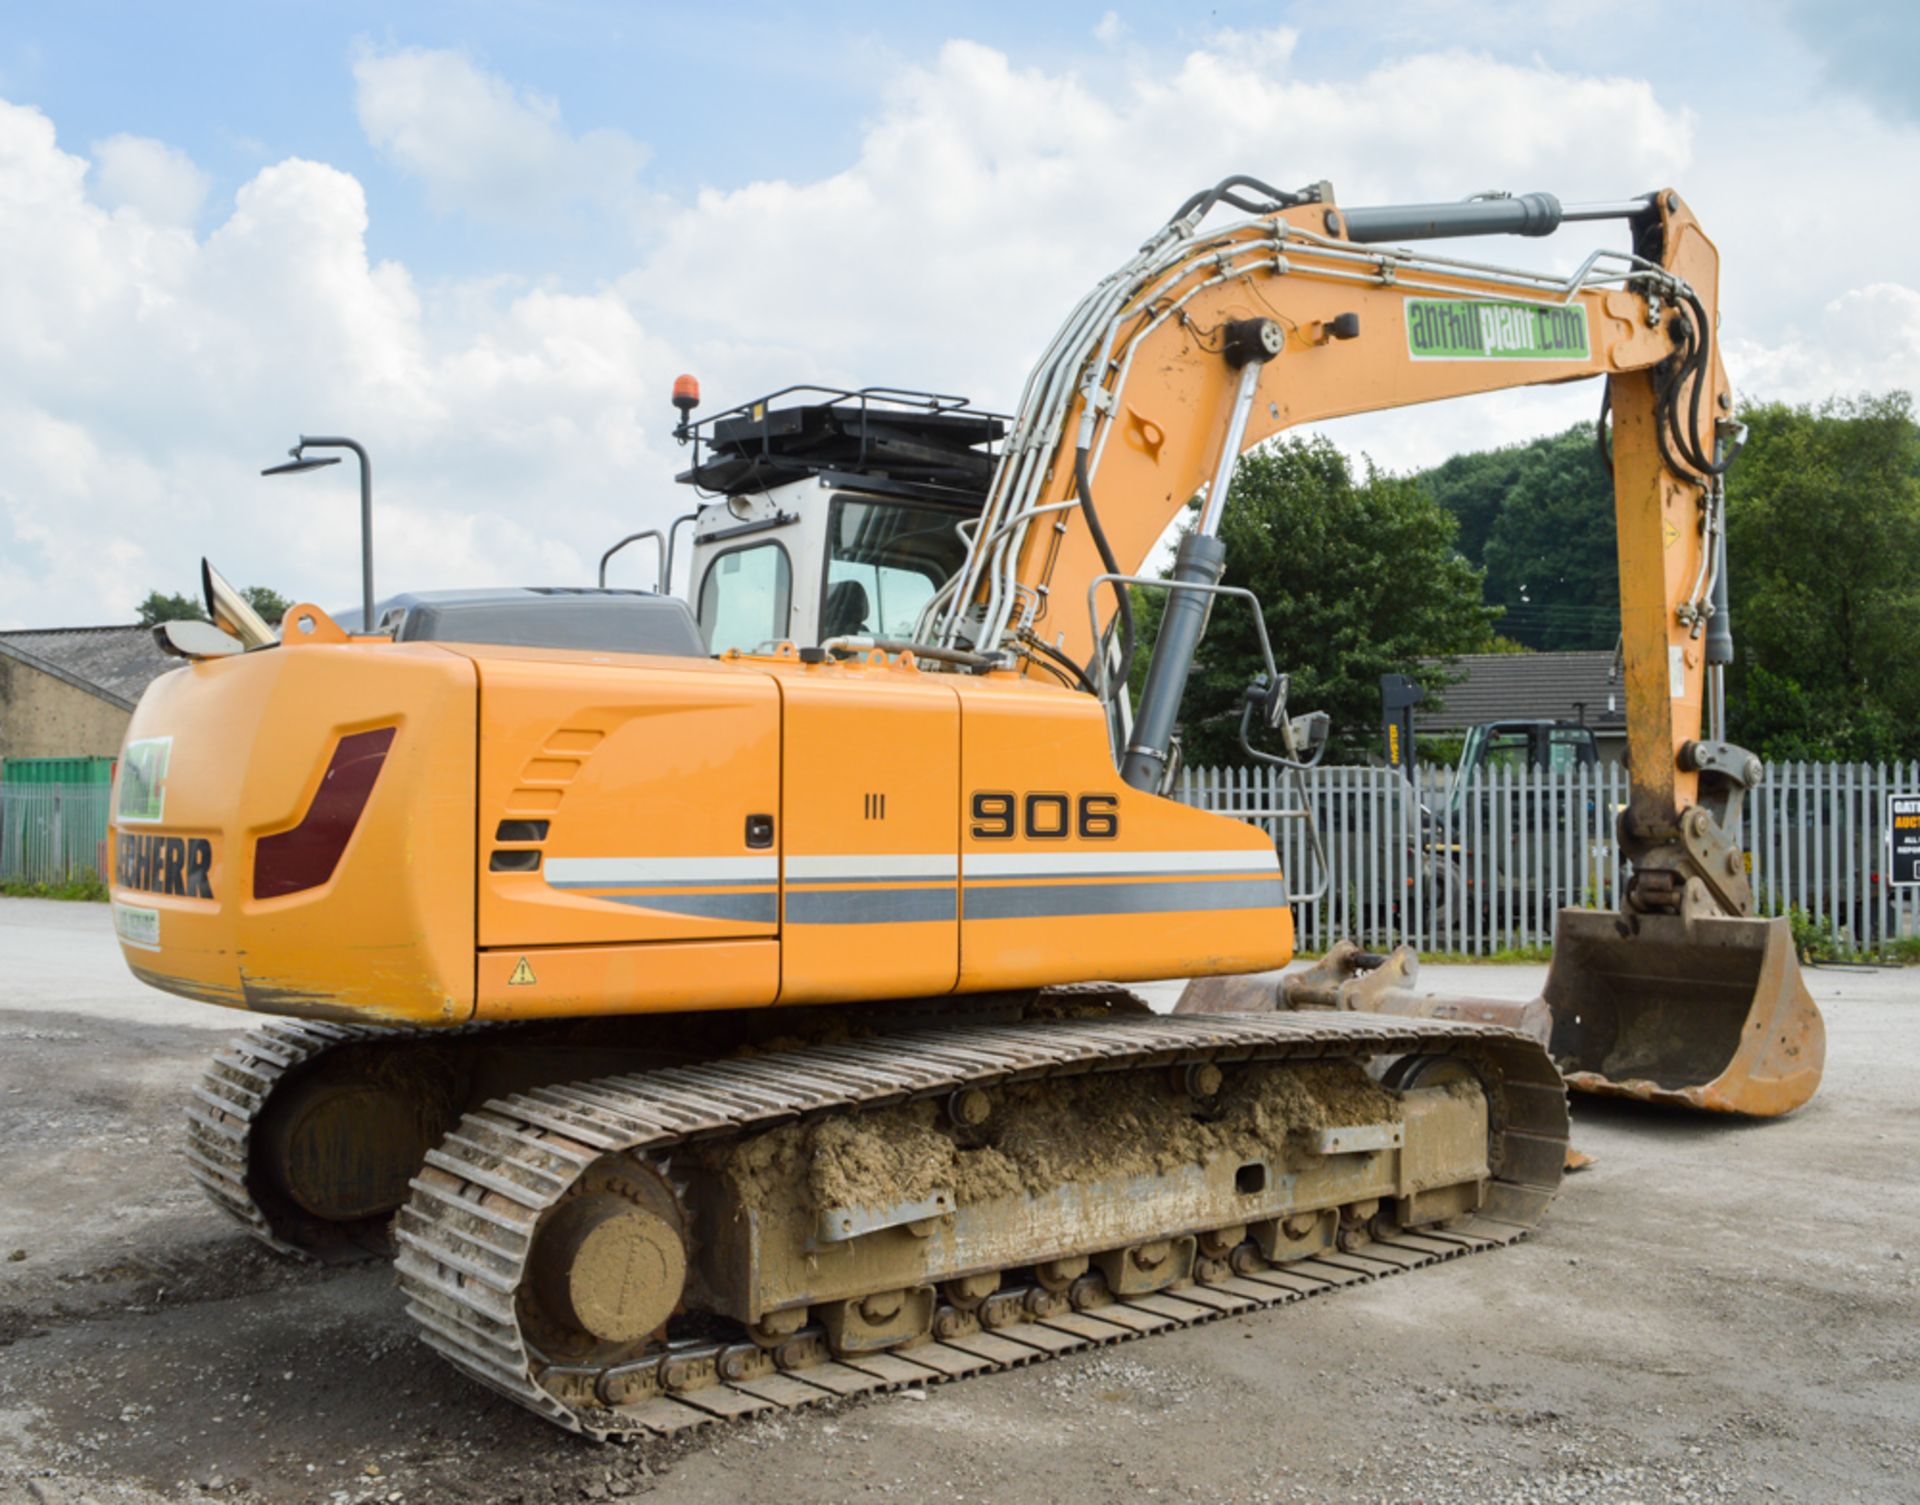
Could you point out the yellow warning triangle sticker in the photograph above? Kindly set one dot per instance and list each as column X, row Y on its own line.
column 1669, row 535
column 522, row 975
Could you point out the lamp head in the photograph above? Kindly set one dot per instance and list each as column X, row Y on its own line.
column 299, row 463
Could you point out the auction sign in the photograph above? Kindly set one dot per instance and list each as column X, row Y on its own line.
column 1903, row 834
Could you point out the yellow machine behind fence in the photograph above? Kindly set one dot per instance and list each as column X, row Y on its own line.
column 712, row 1023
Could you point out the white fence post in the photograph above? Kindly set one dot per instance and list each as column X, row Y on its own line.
column 1482, row 863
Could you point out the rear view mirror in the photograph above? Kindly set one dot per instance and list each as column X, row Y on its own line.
column 193, row 639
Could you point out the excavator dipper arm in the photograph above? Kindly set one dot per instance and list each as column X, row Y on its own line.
column 1211, row 340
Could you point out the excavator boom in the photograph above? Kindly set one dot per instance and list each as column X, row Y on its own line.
column 1293, row 317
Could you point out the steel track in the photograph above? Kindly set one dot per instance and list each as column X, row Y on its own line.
column 232, row 1093
column 467, row 1232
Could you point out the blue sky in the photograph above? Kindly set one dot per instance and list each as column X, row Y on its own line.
column 485, row 237
column 728, row 93
column 722, row 94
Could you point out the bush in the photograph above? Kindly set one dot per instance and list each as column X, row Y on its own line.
column 1905, row 950
column 89, row 887
column 1814, row 940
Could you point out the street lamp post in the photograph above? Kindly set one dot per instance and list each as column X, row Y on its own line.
column 300, row 462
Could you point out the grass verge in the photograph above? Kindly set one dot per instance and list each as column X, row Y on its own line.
column 89, row 888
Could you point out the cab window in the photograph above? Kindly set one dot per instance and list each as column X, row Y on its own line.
column 745, row 597
column 1507, row 750
column 1569, row 749
column 884, row 562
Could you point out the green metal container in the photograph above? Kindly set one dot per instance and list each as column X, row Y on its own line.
column 53, row 818
column 57, row 771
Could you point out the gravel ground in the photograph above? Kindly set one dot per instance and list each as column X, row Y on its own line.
column 1715, row 1312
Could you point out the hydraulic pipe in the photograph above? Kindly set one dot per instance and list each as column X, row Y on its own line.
column 1719, row 642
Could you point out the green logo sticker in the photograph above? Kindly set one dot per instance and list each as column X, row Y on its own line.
column 137, row 927
column 143, row 780
column 1453, row 329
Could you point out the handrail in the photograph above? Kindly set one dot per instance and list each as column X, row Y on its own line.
column 660, row 543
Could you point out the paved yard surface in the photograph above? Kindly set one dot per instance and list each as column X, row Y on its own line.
column 1716, row 1312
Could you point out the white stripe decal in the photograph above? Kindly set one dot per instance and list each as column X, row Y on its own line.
column 924, row 867
column 597, row 872
column 1111, row 863
column 927, row 866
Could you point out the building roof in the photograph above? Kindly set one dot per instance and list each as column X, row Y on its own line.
column 1525, row 687
column 116, row 663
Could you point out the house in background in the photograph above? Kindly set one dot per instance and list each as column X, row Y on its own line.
column 1577, row 687
column 68, row 692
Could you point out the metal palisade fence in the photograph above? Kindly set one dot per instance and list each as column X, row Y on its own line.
column 53, row 833
column 1474, row 865
column 1480, row 864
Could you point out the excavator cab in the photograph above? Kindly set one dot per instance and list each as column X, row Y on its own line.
column 829, row 515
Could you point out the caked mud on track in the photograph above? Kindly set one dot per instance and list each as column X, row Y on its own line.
column 781, row 1320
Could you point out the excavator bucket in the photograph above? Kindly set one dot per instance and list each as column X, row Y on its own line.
column 1709, row 1013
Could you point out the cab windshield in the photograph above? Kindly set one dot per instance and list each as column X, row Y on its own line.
column 884, row 562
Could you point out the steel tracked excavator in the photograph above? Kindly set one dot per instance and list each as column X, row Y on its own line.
column 723, row 1008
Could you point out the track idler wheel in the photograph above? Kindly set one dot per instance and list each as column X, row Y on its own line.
column 609, row 1264
column 343, row 1151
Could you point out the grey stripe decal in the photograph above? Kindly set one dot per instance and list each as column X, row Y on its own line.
column 1024, row 900
column 870, row 906
column 1007, row 901
column 756, row 909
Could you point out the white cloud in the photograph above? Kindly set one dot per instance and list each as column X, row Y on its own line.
column 1865, row 340
column 145, row 376
column 986, row 198
column 158, row 180
column 483, row 147
column 147, row 371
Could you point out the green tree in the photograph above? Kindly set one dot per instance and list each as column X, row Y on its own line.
column 161, row 607
column 267, row 601
column 1823, row 537
column 1473, row 486
column 1357, row 577
column 1539, row 518
column 158, row 607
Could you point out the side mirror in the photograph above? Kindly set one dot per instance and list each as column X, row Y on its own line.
column 195, row 640
column 1269, row 699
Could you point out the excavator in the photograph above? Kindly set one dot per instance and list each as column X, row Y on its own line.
column 721, row 1006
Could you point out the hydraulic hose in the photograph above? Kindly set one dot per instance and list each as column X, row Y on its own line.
column 1223, row 192
column 1061, row 663
column 1111, row 564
